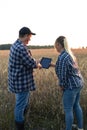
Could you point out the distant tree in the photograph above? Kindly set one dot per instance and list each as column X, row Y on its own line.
column 5, row 47
column 83, row 47
column 40, row 47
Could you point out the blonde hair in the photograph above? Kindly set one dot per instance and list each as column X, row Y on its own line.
column 64, row 43
column 67, row 48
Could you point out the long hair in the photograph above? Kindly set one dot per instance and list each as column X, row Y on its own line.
column 64, row 43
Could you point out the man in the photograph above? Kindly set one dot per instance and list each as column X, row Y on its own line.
column 20, row 74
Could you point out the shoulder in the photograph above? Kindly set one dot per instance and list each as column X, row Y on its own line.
column 18, row 46
column 64, row 56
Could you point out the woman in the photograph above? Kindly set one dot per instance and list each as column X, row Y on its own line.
column 70, row 82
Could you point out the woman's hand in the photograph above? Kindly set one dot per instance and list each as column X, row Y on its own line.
column 61, row 88
column 52, row 65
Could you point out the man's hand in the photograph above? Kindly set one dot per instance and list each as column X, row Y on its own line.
column 39, row 66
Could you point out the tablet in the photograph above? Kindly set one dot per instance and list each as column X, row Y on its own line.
column 45, row 62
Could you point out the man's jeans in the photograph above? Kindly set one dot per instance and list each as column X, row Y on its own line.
column 71, row 103
column 22, row 102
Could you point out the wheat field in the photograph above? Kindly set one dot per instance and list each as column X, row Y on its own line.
column 45, row 111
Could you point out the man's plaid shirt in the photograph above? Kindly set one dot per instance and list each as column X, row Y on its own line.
column 20, row 68
column 68, row 72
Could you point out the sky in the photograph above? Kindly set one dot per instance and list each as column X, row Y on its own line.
column 47, row 18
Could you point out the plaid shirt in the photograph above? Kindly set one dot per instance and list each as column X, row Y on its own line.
column 68, row 72
column 20, row 68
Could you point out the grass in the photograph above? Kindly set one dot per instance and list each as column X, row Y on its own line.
column 45, row 112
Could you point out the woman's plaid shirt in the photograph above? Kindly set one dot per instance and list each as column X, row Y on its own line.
column 68, row 72
column 20, row 68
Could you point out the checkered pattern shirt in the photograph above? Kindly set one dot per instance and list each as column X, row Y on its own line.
column 20, row 68
column 67, row 71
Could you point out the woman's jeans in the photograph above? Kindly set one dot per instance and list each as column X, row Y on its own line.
column 22, row 102
column 71, row 103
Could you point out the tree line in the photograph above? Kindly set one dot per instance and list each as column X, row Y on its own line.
column 7, row 47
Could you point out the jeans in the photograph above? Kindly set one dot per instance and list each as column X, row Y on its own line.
column 22, row 102
column 71, row 104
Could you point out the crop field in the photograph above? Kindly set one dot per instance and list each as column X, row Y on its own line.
column 45, row 111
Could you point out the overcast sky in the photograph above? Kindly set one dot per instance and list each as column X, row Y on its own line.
column 47, row 18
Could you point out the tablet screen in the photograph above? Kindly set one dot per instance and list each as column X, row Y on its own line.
column 45, row 62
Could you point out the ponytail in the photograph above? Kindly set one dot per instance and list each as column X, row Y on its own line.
column 68, row 50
